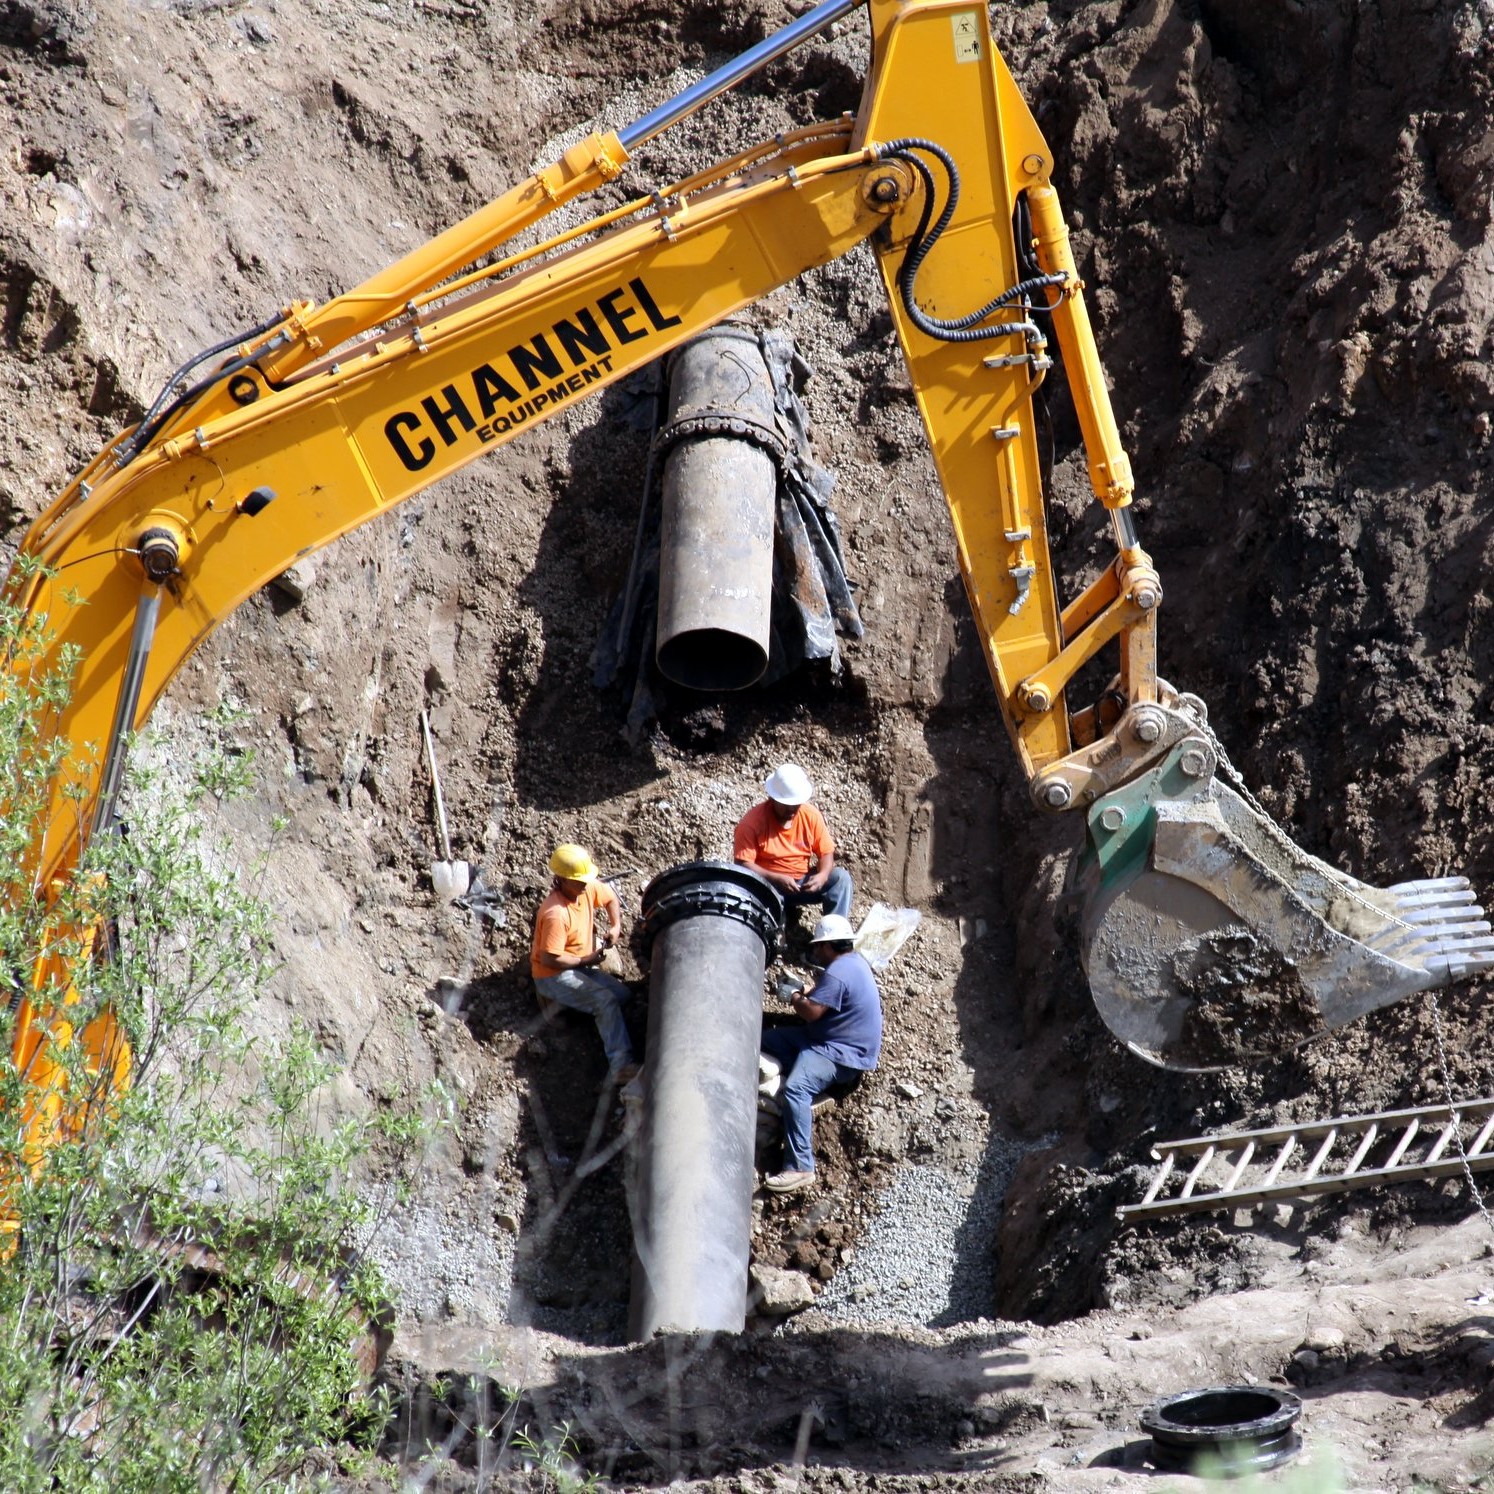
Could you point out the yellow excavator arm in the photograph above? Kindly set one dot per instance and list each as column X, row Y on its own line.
column 334, row 413
column 1209, row 936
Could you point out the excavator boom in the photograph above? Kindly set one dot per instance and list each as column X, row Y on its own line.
column 1209, row 936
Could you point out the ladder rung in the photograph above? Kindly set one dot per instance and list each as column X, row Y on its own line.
column 1165, row 1172
column 1448, row 1132
column 1288, row 1147
column 1204, row 1159
column 1320, row 1156
column 1400, row 1147
column 1364, row 1146
column 1240, row 1166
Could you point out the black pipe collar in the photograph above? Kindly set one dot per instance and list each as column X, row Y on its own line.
column 1238, row 1429
column 721, row 889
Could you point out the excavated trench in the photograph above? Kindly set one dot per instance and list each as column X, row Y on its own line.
column 1285, row 220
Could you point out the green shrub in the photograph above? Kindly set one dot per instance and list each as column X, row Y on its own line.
column 183, row 1309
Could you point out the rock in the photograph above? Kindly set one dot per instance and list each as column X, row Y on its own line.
column 780, row 1291
column 907, row 1090
column 507, row 1221
column 1323, row 1338
column 296, row 580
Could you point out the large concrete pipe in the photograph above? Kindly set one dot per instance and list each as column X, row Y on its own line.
column 710, row 926
column 722, row 453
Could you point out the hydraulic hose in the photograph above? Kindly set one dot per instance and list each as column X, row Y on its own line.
column 964, row 328
column 171, row 397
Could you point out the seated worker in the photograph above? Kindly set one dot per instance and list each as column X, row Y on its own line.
column 565, row 951
column 841, row 1039
column 782, row 836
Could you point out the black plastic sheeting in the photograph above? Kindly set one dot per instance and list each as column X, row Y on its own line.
column 812, row 603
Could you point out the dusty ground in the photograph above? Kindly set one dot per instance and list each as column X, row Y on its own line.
column 1285, row 217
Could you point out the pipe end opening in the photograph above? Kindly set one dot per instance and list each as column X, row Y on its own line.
column 1238, row 1428
column 712, row 659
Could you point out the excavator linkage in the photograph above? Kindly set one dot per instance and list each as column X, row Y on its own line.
column 1210, row 937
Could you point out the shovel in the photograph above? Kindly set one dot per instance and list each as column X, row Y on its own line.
column 451, row 879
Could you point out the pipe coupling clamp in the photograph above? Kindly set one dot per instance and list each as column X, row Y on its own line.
column 719, row 889
column 707, row 425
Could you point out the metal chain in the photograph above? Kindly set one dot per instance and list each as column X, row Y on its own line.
column 1447, row 1084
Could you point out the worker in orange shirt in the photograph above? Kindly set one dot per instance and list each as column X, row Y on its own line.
column 786, row 839
column 565, row 952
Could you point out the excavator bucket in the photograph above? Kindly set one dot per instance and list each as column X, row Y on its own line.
column 1210, row 937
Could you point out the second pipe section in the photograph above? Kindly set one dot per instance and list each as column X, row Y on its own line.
column 711, row 926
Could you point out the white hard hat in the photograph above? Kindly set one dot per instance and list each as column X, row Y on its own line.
column 790, row 785
column 833, row 928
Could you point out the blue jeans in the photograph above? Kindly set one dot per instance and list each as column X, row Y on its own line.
column 833, row 897
column 807, row 1072
column 601, row 997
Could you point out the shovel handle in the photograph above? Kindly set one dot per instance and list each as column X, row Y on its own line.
column 430, row 757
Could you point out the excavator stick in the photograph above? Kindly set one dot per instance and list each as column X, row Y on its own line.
column 1210, row 937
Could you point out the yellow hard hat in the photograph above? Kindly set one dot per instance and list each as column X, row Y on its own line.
column 574, row 863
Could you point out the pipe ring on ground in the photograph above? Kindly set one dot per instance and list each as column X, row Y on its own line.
column 1243, row 1428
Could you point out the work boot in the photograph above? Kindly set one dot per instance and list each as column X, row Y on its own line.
column 788, row 1182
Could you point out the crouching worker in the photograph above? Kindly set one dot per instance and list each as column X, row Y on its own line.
column 841, row 1039
column 566, row 950
column 786, row 840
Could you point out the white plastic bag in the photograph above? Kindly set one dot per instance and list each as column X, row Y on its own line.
column 769, row 1076
column 883, row 932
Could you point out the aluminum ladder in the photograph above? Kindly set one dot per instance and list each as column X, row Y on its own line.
column 1240, row 1168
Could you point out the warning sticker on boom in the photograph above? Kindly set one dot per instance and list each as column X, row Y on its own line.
column 966, row 36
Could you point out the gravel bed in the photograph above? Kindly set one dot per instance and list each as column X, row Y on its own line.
column 928, row 1257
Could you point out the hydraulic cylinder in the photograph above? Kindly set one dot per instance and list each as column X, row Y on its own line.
column 711, row 927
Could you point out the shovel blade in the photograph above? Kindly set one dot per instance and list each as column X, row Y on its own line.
column 1211, row 938
column 451, row 879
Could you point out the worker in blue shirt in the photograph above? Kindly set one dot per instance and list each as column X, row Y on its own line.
column 840, row 1040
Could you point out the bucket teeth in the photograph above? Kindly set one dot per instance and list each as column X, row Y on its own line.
column 1440, row 913
column 1427, row 943
column 1428, row 925
column 1409, row 903
column 1431, row 884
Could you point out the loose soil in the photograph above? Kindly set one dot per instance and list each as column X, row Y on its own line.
column 1285, row 215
